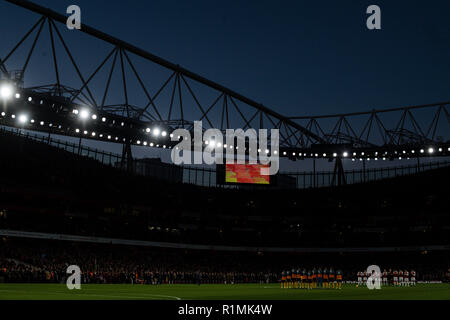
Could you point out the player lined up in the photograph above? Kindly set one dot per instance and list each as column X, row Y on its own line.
column 311, row 279
column 398, row 278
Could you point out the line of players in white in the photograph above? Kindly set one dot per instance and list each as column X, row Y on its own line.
column 398, row 278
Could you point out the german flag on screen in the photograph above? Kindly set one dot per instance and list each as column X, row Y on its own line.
column 246, row 173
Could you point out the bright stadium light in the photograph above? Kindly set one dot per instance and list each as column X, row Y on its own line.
column 17, row 95
column 345, row 154
column 94, row 117
column 23, row 118
column 430, row 150
column 103, row 119
column 164, row 133
column 6, row 91
column 30, row 99
column 3, row 114
column 156, row 132
column 148, row 130
column 84, row 114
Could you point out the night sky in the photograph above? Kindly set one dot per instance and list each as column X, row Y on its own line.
column 297, row 57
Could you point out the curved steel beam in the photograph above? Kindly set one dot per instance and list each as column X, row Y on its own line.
column 370, row 112
column 169, row 65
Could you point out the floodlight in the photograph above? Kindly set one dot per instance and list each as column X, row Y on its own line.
column 156, row 132
column 23, row 118
column 84, row 114
column 6, row 91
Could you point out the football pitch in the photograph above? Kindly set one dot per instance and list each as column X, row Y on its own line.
column 218, row 292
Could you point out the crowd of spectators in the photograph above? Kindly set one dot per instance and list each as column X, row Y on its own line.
column 46, row 261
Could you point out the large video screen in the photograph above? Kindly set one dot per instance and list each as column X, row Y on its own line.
column 246, row 173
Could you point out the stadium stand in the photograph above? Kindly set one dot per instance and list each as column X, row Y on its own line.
column 49, row 190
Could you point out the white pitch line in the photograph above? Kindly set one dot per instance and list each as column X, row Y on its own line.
column 99, row 295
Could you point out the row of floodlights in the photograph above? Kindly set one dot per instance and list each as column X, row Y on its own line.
column 85, row 114
column 7, row 92
column 24, row 119
column 430, row 150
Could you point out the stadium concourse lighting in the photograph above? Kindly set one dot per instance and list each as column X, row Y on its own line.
column 6, row 91
column 345, row 154
column 430, row 150
column 17, row 95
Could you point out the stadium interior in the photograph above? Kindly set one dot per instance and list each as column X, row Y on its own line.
column 400, row 222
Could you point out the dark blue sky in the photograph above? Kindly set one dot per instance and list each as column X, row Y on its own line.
column 297, row 57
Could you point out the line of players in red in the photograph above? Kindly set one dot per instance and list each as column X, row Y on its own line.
column 399, row 278
column 311, row 279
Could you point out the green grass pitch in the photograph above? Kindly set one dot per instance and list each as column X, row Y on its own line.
column 217, row 292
